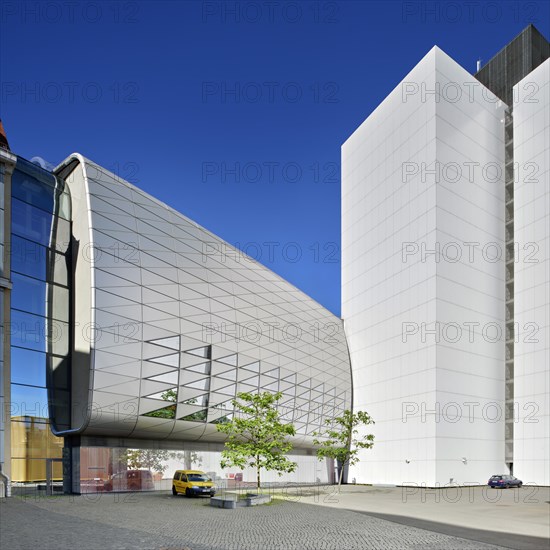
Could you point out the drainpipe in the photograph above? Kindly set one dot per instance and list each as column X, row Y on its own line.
column 7, row 483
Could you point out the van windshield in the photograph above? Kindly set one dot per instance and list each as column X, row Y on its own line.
column 198, row 477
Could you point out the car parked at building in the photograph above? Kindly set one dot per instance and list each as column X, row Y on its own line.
column 130, row 480
column 192, row 483
column 504, row 481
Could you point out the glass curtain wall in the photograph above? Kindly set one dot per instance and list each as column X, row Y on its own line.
column 39, row 331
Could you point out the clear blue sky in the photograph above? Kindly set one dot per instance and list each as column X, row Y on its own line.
column 175, row 95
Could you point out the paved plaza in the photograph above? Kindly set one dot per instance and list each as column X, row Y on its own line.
column 160, row 521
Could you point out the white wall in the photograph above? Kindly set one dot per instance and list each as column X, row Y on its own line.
column 157, row 287
column 532, row 277
column 399, row 196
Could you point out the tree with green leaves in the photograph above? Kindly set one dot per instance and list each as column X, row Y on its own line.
column 156, row 459
column 340, row 439
column 149, row 459
column 256, row 436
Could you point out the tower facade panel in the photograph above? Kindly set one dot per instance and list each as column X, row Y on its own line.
column 423, row 277
column 532, row 276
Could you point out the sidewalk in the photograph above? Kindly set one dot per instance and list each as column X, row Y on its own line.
column 524, row 511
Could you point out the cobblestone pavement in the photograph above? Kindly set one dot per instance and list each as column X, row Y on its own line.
column 160, row 521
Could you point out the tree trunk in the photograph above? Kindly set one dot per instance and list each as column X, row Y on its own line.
column 258, row 474
column 340, row 476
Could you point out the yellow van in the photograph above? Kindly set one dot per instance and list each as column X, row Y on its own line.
column 192, row 483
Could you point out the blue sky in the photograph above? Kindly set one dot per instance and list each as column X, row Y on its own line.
column 231, row 112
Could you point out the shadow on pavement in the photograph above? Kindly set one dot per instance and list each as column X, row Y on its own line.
column 508, row 540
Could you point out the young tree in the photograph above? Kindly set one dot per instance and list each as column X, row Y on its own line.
column 257, row 437
column 340, row 441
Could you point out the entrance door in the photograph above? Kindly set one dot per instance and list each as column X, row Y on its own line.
column 54, row 476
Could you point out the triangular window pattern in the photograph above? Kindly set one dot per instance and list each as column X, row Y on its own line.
column 168, row 377
column 200, row 352
column 229, row 360
column 166, row 412
column 253, row 367
column 202, row 368
column 172, row 342
column 170, row 394
column 223, row 419
column 273, row 372
column 199, row 416
column 172, row 360
column 199, row 400
column 199, row 384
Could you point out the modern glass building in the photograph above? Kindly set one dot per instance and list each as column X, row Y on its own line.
column 130, row 326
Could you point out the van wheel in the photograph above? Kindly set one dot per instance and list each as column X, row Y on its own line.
column 520, row 485
column 174, row 492
column 188, row 493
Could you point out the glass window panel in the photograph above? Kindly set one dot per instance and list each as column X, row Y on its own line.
column 28, row 257
column 28, row 331
column 199, row 384
column 28, row 367
column 62, row 236
column 28, row 294
column 32, row 439
column 200, row 400
column 29, row 401
column 59, row 302
column 32, row 191
column 28, row 470
column 168, row 377
column 58, row 337
column 229, row 360
column 30, row 222
column 59, row 270
column 60, row 367
column 65, row 206
column 200, row 352
column 203, row 368
column 34, row 332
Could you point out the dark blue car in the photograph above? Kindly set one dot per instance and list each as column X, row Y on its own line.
column 504, row 482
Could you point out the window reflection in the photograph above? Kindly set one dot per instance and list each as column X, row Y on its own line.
column 30, row 470
column 29, row 401
column 33, row 191
column 28, row 294
column 32, row 438
column 35, row 332
column 28, row 257
column 28, row 367
column 31, row 223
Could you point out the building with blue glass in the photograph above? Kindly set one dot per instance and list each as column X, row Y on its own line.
column 130, row 326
